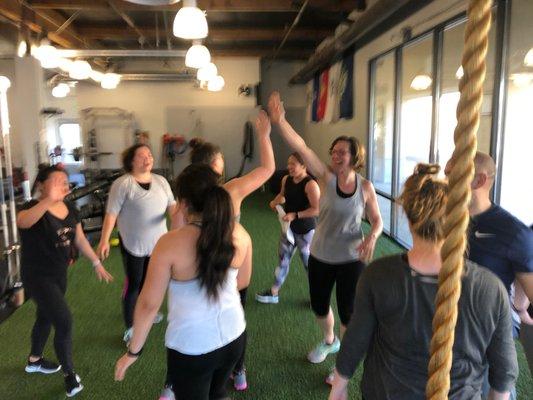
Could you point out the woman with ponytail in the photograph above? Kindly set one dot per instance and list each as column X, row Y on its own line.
column 203, row 264
column 394, row 308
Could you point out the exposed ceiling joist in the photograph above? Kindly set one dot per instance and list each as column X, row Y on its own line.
column 209, row 5
column 251, row 34
column 44, row 21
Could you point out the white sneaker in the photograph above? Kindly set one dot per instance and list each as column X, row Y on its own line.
column 158, row 318
column 321, row 351
column 128, row 334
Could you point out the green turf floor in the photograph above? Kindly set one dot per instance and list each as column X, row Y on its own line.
column 279, row 335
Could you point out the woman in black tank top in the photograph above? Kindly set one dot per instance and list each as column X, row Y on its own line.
column 300, row 196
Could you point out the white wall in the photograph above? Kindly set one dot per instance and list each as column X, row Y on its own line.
column 151, row 103
column 320, row 135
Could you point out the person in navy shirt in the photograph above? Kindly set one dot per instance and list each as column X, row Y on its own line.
column 502, row 243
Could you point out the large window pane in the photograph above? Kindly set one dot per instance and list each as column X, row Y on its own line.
column 385, row 206
column 416, row 104
column 383, row 123
column 69, row 138
column 453, row 42
column 516, row 191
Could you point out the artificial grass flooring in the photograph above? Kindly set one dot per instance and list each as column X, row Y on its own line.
column 279, row 336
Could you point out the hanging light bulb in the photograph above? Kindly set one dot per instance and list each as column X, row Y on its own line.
column 421, row 82
column 80, row 69
column 22, row 48
column 48, row 56
column 65, row 64
column 459, row 73
column 190, row 22
column 60, row 90
column 207, row 73
column 197, row 56
column 110, row 81
column 216, row 84
column 528, row 59
column 96, row 76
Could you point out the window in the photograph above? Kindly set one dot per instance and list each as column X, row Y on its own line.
column 516, row 191
column 68, row 137
column 407, row 125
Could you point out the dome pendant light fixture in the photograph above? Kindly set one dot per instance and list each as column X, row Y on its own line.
column 421, row 82
column 190, row 22
column 207, row 73
column 197, row 56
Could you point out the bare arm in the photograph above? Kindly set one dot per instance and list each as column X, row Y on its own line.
column 521, row 300
column 366, row 249
column 245, row 271
column 84, row 246
column 27, row 218
column 241, row 187
column 295, row 141
column 280, row 197
column 525, row 280
column 107, row 228
column 148, row 303
column 313, row 195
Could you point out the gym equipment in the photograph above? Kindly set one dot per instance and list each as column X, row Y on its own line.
column 11, row 294
column 173, row 146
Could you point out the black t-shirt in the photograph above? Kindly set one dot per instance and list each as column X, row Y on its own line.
column 296, row 200
column 48, row 245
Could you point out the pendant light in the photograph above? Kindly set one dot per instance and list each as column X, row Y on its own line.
column 207, row 73
column 421, row 82
column 190, row 22
column 197, row 56
column 216, row 84
column 80, row 69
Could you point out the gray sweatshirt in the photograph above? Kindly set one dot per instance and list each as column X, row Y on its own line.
column 391, row 323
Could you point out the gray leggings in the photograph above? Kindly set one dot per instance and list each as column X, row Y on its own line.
column 286, row 250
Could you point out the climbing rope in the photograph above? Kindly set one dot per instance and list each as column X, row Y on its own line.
column 457, row 219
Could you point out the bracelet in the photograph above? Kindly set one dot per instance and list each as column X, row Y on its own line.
column 132, row 354
column 97, row 263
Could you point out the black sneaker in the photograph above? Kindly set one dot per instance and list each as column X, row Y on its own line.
column 73, row 384
column 43, row 366
column 267, row 297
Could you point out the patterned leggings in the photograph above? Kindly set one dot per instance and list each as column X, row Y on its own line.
column 286, row 250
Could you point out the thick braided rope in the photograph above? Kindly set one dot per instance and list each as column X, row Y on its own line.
column 452, row 253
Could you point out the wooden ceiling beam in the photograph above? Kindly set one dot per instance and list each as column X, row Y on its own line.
column 209, row 5
column 251, row 34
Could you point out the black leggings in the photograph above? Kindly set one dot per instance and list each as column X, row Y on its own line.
column 205, row 376
column 48, row 293
column 240, row 363
column 322, row 277
column 135, row 268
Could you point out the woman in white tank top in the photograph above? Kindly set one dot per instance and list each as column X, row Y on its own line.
column 203, row 264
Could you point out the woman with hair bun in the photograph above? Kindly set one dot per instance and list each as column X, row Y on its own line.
column 203, row 264
column 50, row 231
column 339, row 249
column 394, row 308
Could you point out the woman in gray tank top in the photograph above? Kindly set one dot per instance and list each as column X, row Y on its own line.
column 338, row 249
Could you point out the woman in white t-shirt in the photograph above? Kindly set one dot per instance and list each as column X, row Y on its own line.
column 138, row 201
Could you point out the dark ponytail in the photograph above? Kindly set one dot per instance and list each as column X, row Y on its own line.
column 45, row 170
column 203, row 152
column 198, row 186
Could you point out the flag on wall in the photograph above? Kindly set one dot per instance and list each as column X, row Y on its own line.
column 322, row 95
column 332, row 106
column 346, row 87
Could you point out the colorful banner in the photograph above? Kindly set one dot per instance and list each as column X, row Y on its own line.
column 346, row 87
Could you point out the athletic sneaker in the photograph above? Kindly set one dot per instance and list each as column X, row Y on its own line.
column 321, row 351
column 128, row 334
column 167, row 393
column 267, row 297
column 158, row 318
column 73, row 384
column 43, row 366
column 239, row 380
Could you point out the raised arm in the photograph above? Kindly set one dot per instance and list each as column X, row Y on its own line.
column 148, row 303
column 27, row 218
column 241, row 187
column 295, row 141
